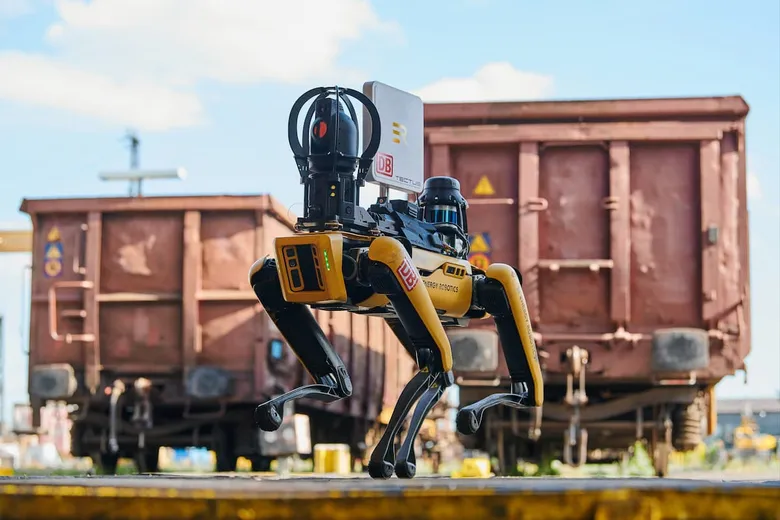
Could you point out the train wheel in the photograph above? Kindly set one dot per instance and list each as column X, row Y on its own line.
column 105, row 463
column 147, row 460
column 261, row 464
column 661, row 459
column 225, row 454
column 575, row 451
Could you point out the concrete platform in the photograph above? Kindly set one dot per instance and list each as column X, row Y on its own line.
column 298, row 498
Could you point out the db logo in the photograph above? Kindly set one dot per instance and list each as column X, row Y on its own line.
column 384, row 164
column 408, row 275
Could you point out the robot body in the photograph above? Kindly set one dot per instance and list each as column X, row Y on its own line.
column 397, row 260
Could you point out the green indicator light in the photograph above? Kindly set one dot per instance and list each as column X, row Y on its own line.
column 327, row 260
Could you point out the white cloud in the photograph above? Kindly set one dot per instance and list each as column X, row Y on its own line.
column 14, row 8
column 38, row 80
column 237, row 42
column 753, row 187
column 498, row 81
column 115, row 57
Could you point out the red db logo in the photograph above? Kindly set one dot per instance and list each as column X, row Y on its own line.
column 408, row 275
column 384, row 164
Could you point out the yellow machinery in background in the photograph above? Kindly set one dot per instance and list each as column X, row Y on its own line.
column 474, row 467
column 6, row 465
column 332, row 459
column 15, row 241
column 749, row 442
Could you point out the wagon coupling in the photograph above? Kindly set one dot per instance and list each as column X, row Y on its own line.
column 575, row 437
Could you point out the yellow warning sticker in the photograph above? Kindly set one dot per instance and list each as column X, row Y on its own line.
column 53, row 254
column 480, row 261
column 480, row 243
column 53, row 251
column 484, row 187
column 52, row 268
column 54, row 234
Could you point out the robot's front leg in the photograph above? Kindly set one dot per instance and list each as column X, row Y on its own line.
column 391, row 272
column 501, row 294
column 406, row 463
column 382, row 462
column 299, row 327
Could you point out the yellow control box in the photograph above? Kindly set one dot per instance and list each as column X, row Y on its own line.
column 310, row 267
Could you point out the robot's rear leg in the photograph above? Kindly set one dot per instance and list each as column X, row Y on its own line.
column 306, row 338
column 392, row 272
column 502, row 296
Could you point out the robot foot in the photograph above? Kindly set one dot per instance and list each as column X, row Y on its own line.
column 405, row 466
column 269, row 415
column 382, row 462
column 469, row 418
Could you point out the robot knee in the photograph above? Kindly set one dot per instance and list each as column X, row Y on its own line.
column 388, row 251
column 390, row 267
column 494, row 290
column 264, row 280
column 508, row 276
column 259, row 269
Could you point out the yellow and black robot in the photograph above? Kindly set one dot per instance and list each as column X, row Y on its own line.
column 402, row 261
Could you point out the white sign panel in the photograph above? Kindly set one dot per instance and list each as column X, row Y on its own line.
column 398, row 163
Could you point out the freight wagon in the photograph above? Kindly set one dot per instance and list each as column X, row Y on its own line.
column 142, row 316
column 628, row 221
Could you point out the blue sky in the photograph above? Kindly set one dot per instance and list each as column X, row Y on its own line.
column 209, row 89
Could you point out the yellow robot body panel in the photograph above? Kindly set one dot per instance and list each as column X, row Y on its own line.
column 309, row 267
column 373, row 301
column 507, row 277
column 391, row 253
column 430, row 261
column 449, row 283
column 450, row 293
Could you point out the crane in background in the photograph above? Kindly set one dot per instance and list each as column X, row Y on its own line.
column 21, row 240
column 16, row 241
column 11, row 241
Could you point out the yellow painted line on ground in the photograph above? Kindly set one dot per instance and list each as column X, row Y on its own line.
column 120, row 503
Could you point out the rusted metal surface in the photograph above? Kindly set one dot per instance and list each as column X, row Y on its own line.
column 156, row 286
column 624, row 217
column 674, row 109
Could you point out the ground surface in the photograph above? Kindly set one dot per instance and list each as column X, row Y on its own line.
column 255, row 497
column 752, row 474
column 338, row 484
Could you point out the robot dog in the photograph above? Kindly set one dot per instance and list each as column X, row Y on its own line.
column 400, row 260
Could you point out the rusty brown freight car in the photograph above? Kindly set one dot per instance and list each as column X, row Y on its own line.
column 628, row 221
column 145, row 303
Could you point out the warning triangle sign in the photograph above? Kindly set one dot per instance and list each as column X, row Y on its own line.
column 52, row 252
column 54, row 234
column 480, row 244
column 484, row 187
